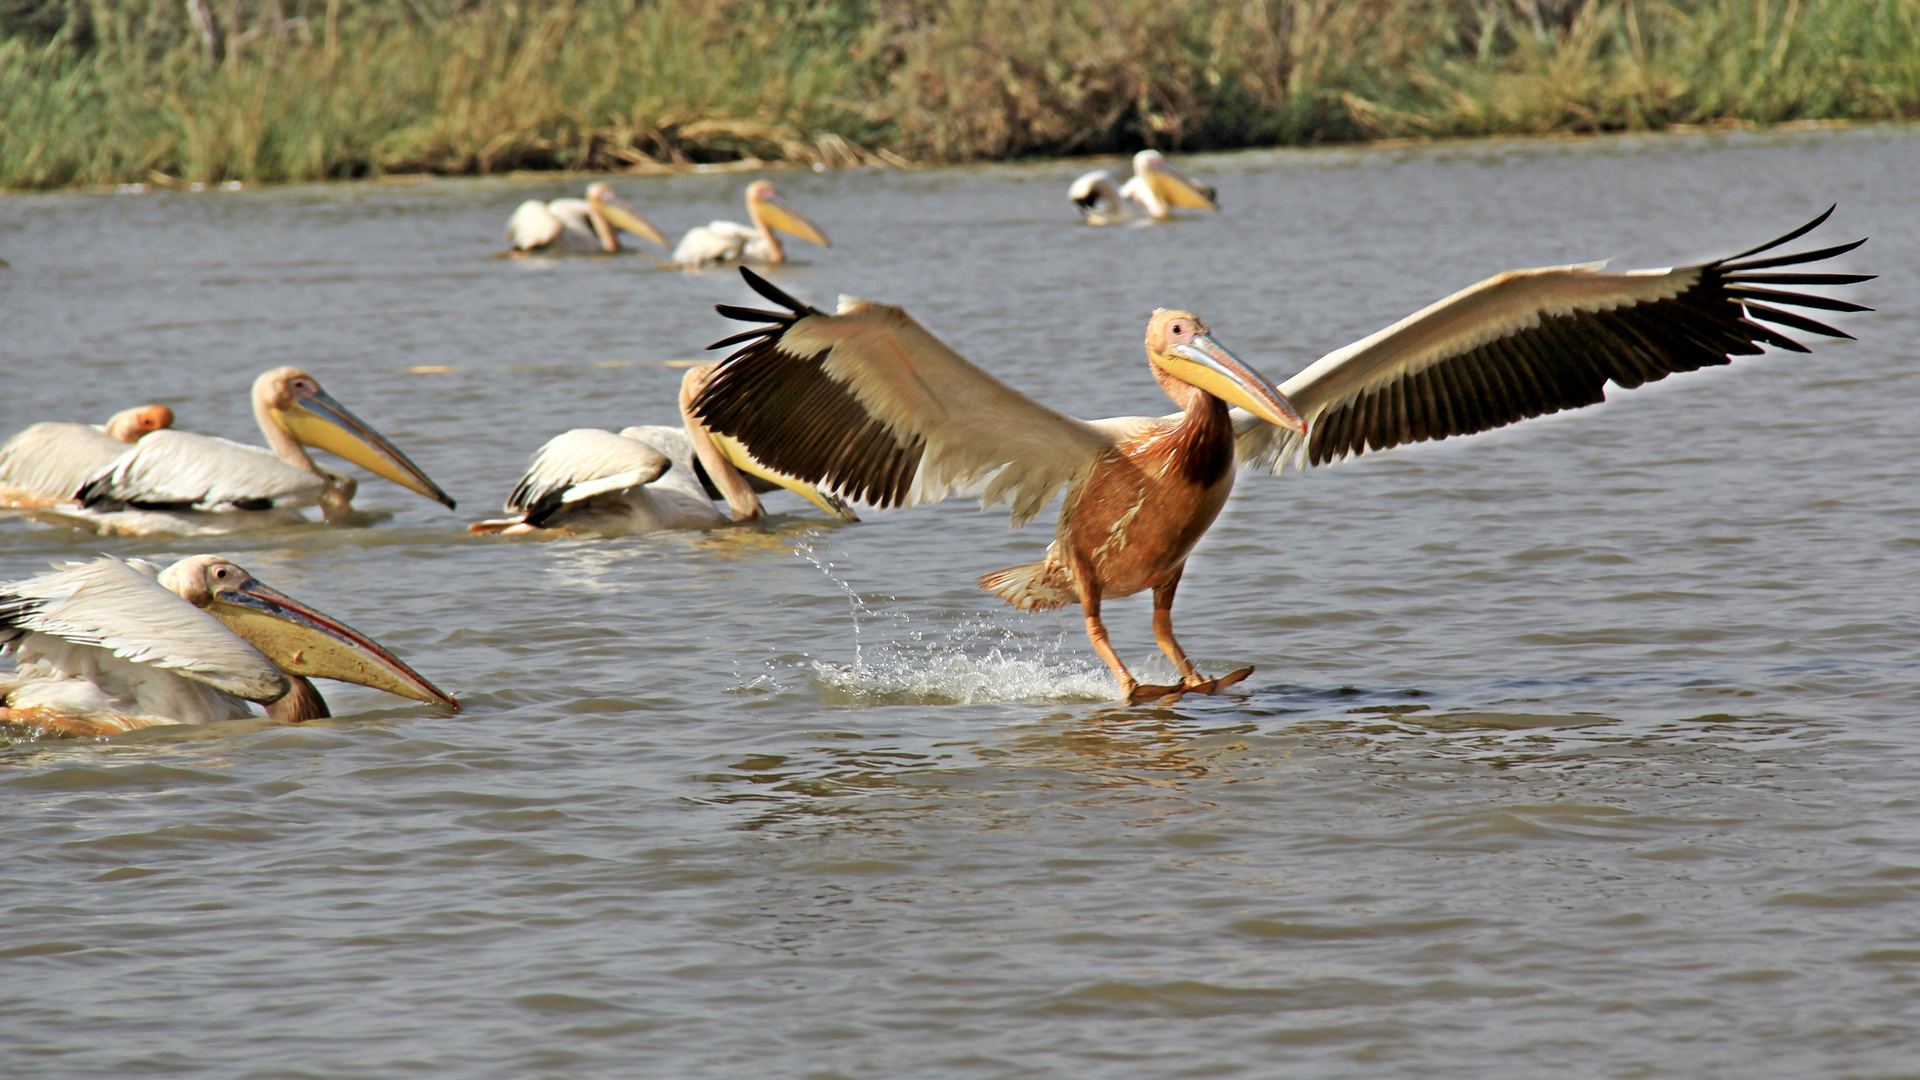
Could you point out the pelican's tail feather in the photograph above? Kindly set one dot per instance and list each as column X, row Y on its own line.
column 1040, row 586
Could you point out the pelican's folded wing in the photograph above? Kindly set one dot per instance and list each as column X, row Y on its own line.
column 179, row 470
column 1530, row 342
column 870, row 405
column 55, row 459
column 111, row 605
column 533, row 226
column 580, row 464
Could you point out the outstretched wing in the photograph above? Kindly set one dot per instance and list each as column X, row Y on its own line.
column 868, row 404
column 179, row 470
column 1531, row 342
column 580, row 464
column 108, row 604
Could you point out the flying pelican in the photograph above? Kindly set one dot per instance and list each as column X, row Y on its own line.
column 180, row 482
column 725, row 241
column 591, row 224
column 643, row 479
column 894, row 417
column 108, row 646
column 1157, row 186
column 48, row 462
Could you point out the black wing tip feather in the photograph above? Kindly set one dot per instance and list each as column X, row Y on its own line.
column 779, row 296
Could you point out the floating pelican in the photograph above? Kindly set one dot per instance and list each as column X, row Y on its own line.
column 725, row 241
column 180, row 482
column 592, row 224
column 644, row 478
column 1157, row 186
column 103, row 647
column 47, row 463
column 894, row 417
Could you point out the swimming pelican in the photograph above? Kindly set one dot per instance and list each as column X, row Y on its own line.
column 592, row 224
column 180, row 482
column 47, row 463
column 1157, row 186
column 643, row 479
column 894, row 417
column 108, row 646
column 725, row 241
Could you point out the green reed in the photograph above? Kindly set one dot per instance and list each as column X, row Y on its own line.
column 104, row 91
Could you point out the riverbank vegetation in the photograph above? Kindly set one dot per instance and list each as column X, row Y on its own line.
column 108, row 91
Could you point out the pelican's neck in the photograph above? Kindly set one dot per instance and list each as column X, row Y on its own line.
column 301, row 704
column 741, row 500
column 602, row 228
column 1204, row 436
column 285, row 446
column 775, row 252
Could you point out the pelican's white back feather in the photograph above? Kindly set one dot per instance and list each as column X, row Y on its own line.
column 202, row 472
column 55, row 459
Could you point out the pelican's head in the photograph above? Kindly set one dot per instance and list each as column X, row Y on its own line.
column 766, row 207
column 131, row 425
column 291, row 401
column 1174, row 187
column 608, row 211
column 298, row 639
column 1180, row 346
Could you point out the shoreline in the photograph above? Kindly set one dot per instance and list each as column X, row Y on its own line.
column 755, row 165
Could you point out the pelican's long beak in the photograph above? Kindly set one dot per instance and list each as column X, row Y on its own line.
column 626, row 218
column 780, row 216
column 319, row 421
column 302, row 641
column 1206, row 365
column 737, row 454
column 1176, row 188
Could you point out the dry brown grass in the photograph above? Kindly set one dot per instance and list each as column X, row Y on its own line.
column 97, row 91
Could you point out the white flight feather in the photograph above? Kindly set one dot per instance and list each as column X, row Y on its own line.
column 118, row 609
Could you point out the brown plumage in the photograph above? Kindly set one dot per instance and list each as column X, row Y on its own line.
column 872, row 405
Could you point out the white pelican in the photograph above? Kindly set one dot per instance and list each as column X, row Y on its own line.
column 725, row 241
column 1157, row 186
column 645, row 478
column 180, row 482
column 892, row 416
column 103, row 647
column 592, row 224
column 48, row 462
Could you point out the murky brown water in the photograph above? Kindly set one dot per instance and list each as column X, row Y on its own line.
column 1590, row 748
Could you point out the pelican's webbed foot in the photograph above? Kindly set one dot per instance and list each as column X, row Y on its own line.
column 1144, row 693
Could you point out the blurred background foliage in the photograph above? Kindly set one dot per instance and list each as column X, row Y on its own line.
column 103, row 91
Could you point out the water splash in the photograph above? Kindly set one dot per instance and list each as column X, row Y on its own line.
column 979, row 660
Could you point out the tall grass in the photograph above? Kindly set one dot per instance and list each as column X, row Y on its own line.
column 102, row 91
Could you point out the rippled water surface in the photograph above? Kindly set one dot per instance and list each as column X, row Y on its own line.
column 1587, row 748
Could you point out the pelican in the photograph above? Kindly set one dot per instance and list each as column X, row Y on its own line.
column 592, row 224
column 725, row 241
column 180, row 482
column 644, row 478
column 48, row 462
column 1157, row 186
column 894, row 417
column 108, row 646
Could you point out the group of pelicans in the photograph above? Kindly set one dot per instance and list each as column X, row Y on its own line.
column 594, row 224
column 862, row 405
